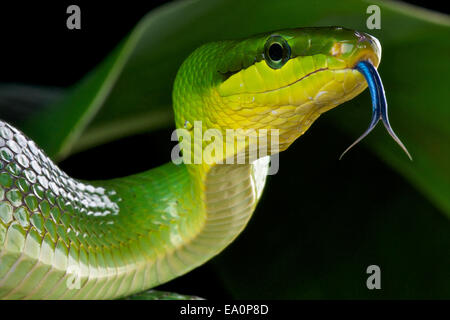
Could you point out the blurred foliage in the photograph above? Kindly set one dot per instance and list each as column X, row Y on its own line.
column 322, row 222
column 315, row 230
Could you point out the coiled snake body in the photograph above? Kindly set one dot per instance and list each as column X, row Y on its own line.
column 61, row 238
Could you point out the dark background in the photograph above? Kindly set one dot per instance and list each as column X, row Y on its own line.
column 38, row 49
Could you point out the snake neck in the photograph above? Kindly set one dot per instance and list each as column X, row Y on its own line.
column 224, row 198
column 229, row 194
column 197, row 218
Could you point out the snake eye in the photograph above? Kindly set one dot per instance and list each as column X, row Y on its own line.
column 276, row 52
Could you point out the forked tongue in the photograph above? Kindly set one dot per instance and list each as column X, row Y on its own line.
column 379, row 104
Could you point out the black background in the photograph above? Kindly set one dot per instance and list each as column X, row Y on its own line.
column 37, row 48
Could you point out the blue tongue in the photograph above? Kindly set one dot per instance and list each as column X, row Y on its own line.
column 379, row 104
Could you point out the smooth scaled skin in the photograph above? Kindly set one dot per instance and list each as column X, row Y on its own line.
column 61, row 238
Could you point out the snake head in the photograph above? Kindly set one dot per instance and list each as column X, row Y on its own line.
column 279, row 80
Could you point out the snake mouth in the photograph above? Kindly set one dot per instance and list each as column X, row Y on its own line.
column 295, row 82
column 352, row 66
column 364, row 56
column 241, row 87
column 255, row 80
column 319, row 89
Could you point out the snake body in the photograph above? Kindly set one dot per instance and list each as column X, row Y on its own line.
column 61, row 238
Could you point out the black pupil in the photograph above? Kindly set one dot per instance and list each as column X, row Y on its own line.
column 276, row 52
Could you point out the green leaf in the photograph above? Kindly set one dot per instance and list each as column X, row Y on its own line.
column 131, row 91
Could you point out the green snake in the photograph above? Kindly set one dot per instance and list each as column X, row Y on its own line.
column 62, row 238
